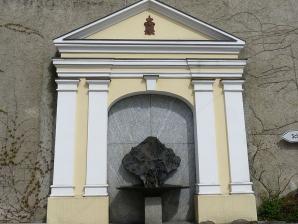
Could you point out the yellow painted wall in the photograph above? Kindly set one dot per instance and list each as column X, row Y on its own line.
column 72, row 210
column 221, row 138
column 133, row 28
column 181, row 88
column 81, row 138
column 123, row 87
column 225, row 208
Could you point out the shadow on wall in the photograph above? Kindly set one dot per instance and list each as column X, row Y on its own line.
column 50, row 87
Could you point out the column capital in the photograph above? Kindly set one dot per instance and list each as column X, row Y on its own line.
column 203, row 85
column 98, row 85
column 67, row 85
column 232, row 85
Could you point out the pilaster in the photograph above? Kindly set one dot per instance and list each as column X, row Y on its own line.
column 96, row 177
column 237, row 143
column 65, row 138
column 206, row 155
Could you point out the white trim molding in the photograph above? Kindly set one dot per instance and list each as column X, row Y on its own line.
column 205, row 136
column 149, row 62
column 150, row 47
column 62, row 191
column 112, row 68
column 241, row 188
column 221, row 41
column 151, row 81
column 96, row 177
column 162, row 8
column 65, row 139
column 237, row 143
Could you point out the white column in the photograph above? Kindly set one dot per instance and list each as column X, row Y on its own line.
column 238, row 155
column 96, row 180
column 206, row 155
column 65, row 138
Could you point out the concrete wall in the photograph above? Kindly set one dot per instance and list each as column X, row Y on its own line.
column 27, row 89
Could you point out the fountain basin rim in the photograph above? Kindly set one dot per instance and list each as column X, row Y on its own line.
column 152, row 192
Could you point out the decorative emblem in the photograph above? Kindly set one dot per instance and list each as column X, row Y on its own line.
column 290, row 136
column 149, row 26
column 152, row 162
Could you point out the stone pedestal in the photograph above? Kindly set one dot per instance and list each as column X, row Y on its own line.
column 153, row 210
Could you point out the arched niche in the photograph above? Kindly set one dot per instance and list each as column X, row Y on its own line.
column 130, row 121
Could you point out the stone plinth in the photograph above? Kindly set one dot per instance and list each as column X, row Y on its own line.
column 153, row 210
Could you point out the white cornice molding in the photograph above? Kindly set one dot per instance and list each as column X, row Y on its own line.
column 104, row 22
column 149, row 62
column 141, row 6
column 73, row 74
column 192, row 22
column 150, row 47
column 193, row 62
column 66, row 68
column 222, row 42
column 217, row 75
column 151, row 42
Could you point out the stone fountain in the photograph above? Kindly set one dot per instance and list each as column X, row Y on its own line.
column 152, row 162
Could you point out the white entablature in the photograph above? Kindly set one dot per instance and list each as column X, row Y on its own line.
column 117, row 68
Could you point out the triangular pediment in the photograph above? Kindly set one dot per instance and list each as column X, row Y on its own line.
column 165, row 29
column 128, row 24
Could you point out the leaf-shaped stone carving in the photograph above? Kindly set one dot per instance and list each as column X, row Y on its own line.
column 151, row 161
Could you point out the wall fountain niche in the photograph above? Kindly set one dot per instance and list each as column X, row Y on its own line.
column 131, row 121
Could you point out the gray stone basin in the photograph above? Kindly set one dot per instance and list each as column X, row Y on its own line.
column 152, row 192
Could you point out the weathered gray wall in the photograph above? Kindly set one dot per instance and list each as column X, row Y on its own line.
column 27, row 88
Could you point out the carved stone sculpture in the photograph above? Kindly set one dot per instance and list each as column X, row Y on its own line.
column 151, row 161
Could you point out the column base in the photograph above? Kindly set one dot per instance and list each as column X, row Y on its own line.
column 241, row 188
column 87, row 210
column 225, row 208
column 62, row 191
column 96, row 190
column 207, row 189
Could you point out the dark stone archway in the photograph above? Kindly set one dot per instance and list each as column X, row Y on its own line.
column 133, row 119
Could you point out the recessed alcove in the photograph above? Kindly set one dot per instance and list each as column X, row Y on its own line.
column 130, row 121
